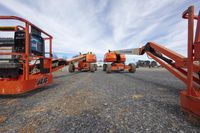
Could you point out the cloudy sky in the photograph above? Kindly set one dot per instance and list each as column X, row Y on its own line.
column 99, row 25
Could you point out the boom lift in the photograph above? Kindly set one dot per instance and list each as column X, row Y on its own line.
column 24, row 63
column 86, row 62
column 115, row 61
column 187, row 69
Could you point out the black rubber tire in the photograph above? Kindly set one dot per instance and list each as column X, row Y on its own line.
column 71, row 68
column 92, row 68
column 104, row 67
column 133, row 68
column 95, row 65
column 154, row 64
column 108, row 68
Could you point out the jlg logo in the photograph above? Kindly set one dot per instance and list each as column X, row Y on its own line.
column 42, row 81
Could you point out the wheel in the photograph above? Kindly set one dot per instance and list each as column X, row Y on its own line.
column 108, row 68
column 104, row 67
column 71, row 68
column 137, row 66
column 92, row 67
column 132, row 68
column 95, row 65
column 153, row 64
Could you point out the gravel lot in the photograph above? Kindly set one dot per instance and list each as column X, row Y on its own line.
column 146, row 101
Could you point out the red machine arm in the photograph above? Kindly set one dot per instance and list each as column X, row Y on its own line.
column 187, row 69
column 60, row 63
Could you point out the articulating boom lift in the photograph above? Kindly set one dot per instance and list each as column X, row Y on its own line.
column 24, row 63
column 22, row 55
column 85, row 63
column 115, row 61
column 187, row 69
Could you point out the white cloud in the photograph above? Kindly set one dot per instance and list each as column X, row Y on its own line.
column 92, row 25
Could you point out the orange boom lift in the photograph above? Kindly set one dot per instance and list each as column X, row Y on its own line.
column 86, row 62
column 187, row 69
column 115, row 61
column 24, row 63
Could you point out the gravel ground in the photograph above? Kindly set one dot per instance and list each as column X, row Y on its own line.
column 146, row 101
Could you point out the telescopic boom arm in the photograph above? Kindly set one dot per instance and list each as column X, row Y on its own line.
column 187, row 69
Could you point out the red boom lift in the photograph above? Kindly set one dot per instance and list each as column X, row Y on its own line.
column 187, row 69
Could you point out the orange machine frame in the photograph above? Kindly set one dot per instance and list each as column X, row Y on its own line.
column 84, row 61
column 26, row 81
column 85, row 64
column 120, row 66
column 116, row 66
column 186, row 69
